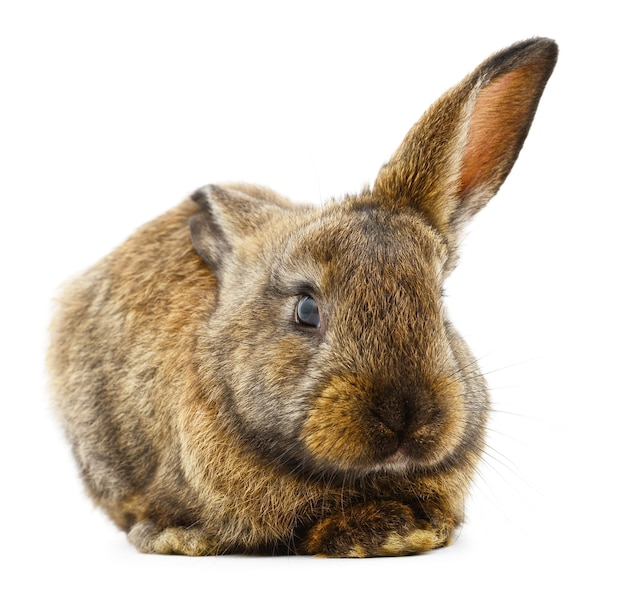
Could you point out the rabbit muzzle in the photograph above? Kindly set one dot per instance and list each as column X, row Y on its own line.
column 363, row 424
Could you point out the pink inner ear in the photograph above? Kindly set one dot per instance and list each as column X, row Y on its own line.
column 500, row 120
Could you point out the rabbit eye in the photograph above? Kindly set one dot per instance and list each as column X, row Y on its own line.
column 307, row 313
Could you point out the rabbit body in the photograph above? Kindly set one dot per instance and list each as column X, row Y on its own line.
column 245, row 374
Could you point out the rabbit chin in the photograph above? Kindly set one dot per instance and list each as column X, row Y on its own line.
column 397, row 463
column 404, row 460
column 408, row 457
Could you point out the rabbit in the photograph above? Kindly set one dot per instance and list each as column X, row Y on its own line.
column 252, row 376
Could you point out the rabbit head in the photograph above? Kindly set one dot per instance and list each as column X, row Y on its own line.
column 330, row 337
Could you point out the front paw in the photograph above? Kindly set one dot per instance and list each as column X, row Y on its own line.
column 373, row 530
column 192, row 541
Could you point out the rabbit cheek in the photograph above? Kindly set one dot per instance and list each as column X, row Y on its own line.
column 338, row 434
column 437, row 429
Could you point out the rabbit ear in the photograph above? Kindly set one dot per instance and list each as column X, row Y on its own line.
column 456, row 157
column 227, row 215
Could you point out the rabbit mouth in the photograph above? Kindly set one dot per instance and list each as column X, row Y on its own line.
column 400, row 456
column 412, row 454
column 400, row 460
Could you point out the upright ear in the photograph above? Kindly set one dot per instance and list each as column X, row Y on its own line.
column 228, row 214
column 455, row 158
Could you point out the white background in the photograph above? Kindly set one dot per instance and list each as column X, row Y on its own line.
column 112, row 112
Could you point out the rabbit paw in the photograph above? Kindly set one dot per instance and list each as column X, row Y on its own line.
column 373, row 530
column 191, row 541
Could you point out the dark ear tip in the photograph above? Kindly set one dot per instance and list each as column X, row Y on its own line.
column 539, row 43
column 200, row 197
column 203, row 195
column 534, row 47
column 543, row 50
column 546, row 48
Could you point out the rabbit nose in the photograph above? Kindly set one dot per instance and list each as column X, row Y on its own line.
column 394, row 412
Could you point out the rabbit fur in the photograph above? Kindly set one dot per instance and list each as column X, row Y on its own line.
column 206, row 417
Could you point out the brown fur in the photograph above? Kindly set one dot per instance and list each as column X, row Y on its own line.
column 205, row 419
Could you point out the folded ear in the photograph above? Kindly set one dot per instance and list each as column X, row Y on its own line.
column 228, row 215
column 455, row 158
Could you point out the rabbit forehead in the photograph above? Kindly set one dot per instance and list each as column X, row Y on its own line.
column 355, row 244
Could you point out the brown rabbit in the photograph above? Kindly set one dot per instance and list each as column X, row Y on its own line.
column 249, row 375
